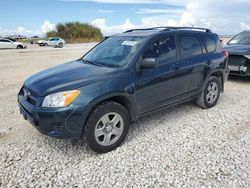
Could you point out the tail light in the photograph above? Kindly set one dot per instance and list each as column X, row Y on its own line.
column 225, row 53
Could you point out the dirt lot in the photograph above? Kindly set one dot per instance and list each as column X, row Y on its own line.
column 182, row 146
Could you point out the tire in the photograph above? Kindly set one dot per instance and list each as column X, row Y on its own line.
column 60, row 45
column 101, row 133
column 210, row 93
column 19, row 47
column 45, row 44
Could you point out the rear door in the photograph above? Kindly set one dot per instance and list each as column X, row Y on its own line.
column 193, row 64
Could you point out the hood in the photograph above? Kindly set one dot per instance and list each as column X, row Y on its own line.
column 67, row 76
column 236, row 49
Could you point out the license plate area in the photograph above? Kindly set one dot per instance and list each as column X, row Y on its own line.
column 233, row 68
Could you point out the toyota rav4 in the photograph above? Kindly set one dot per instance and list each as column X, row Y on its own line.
column 125, row 77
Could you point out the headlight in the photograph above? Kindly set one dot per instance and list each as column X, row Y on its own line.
column 60, row 99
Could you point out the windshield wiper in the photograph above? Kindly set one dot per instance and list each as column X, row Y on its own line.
column 92, row 63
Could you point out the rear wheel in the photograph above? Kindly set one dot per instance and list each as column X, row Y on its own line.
column 210, row 94
column 107, row 127
column 19, row 47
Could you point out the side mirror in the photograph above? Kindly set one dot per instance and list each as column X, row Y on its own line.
column 148, row 63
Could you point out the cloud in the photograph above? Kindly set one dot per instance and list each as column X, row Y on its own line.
column 45, row 27
column 244, row 26
column 229, row 17
column 186, row 19
column 157, row 11
column 101, row 23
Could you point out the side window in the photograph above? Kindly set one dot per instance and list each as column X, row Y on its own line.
column 210, row 43
column 190, row 46
column 163, row 50
column 3, row 40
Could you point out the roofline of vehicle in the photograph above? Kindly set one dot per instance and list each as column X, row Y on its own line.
column 164, row 28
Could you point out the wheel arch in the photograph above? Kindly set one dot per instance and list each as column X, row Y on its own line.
column 218, row 74
column 120, row 98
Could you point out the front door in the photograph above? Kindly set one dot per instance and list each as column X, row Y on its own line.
column 159, row 86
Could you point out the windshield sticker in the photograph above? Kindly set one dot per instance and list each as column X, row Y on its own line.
column 129, row 43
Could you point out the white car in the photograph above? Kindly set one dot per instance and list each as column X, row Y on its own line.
column 55, row 41
column 6, row 43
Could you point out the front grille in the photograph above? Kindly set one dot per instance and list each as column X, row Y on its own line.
column 236, row 60
column 29, row 95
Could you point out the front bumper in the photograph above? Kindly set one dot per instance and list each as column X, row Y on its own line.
column 242, row 70
column 64, row 122
column 239, row 65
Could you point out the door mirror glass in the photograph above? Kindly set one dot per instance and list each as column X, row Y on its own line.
column 148, row 63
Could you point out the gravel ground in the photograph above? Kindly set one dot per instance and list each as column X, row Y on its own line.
column 183, row 146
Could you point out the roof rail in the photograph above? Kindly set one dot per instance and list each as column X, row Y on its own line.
column 146, row 29
column 164, row 28
column 187, row 28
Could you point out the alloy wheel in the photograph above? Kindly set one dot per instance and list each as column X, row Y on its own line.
column 109, row 129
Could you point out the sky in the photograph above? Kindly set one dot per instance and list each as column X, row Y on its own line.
column 36, row 17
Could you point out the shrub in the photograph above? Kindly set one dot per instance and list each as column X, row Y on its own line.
column 76, row 32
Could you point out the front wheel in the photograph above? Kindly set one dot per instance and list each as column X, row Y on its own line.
column 60, row 45
column 210, row 94
column 107, row 127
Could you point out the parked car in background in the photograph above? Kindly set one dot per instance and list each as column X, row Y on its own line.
column 239, row 54
column 123, row 78
column 7, row 43
column 55, row 41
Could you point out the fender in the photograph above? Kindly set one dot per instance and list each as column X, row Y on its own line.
column 128, row 100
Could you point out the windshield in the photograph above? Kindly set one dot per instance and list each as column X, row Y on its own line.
column 115, row 51
column 242, row 38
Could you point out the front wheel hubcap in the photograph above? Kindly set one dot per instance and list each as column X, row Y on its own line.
column 109, row 129
column 212, row 92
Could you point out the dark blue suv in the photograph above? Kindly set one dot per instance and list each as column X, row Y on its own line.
column 126, row 76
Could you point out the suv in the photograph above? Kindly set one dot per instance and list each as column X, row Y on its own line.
column 124, row 77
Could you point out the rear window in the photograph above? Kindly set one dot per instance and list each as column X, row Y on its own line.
column 210, row 42
column 190, row 46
